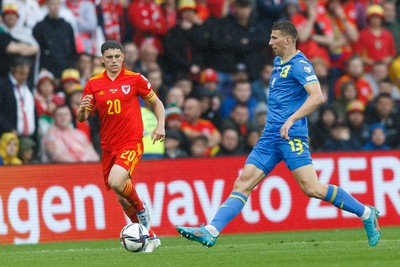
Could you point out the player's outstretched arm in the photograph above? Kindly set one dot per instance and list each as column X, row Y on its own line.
column 159, row 132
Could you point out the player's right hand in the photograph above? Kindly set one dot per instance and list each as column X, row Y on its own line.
column 86, row 100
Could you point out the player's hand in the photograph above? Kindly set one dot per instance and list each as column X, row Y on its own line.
column 86, row 100
column 158, row 134
column 285, row 129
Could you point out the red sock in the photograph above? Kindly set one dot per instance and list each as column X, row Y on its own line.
column 152, row 233
column 131, row 213
column 130, row 193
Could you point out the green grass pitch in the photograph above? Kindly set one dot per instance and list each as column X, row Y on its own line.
column 345, row 247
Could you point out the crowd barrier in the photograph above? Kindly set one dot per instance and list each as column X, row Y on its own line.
column 62, row 202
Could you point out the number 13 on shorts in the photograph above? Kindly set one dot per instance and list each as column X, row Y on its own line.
column 296, row 145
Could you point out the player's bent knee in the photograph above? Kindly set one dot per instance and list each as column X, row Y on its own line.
column 116, row 184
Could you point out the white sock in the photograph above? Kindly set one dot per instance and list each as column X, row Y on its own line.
column 366, row 214
column 213, row 231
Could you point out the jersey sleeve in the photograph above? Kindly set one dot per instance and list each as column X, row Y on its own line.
column 144, row 88
column 89, row 91
column 304, row 72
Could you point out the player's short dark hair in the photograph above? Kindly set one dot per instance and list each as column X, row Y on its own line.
column 286, row 28
column 111, row 44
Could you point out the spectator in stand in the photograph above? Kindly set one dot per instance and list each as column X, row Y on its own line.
column 345, row 35
column 202, row 10
column 219, row 54
column 260, row 87
column 386, row 86
column 375, row 43
column 379, row 71
column 46, row 101
column 55, row 56
column 86, row 19
column 315, row 30
column 193, row 126
column 9, row 146
column 239, row 119
column 172, row 143
column 185, row 43
column 321, row 69
column 390, row 21
column 355, row 73
column 85, row 67
column 26, row 151
column 248, row 40
column 260, row 115
column 348, row 94
column 253, row 134
column 17, row 104
column 218, row 8
column 73, row 100
column 156, row 80
column 148, row 57
column 210, row 104
column 29, row 15
column 111, row 13
column 240, row 74
column 229, row 145
column 148, row 22
column 173, row 122
column 377, row 140
column 386, row 113
column 341, row 139
column 270, row 12
column 175, row 97
column 209, row 79
column 131, row 58
column 319, row 131
column 65, row 144
column 199, row 147
column 10, row 46
column 185, row 82
column 241, row 94
column 209, row 95
column 355, row 119
column 170, row 13
column 69, row 78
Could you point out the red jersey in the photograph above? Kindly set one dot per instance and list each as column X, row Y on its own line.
column 376, row 47
column 205, row 127
column 364, row 90
column 118, row 106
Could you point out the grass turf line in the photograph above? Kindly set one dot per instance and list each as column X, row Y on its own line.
column 307, row 248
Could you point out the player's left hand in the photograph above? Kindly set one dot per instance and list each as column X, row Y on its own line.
column 284, row 131
column 158, row 134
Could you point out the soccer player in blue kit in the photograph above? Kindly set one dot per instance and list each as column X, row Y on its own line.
column 294, row 93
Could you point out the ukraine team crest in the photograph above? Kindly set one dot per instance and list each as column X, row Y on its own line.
column 126, row 89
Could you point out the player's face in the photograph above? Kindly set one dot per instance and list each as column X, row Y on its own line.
column 112, row 60
column 278, row 43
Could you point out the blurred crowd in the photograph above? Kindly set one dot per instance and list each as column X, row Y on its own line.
column 210, row 64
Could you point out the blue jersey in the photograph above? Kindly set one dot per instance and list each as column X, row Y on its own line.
column 287, row 94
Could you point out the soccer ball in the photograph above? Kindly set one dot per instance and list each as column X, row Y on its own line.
column 133, row 237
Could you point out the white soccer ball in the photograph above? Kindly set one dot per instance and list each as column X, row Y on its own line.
column 133, row 237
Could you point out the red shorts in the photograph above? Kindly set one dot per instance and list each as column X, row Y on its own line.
column 126, row 157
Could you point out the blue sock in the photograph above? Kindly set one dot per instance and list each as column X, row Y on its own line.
column 228, row 210
column 343, row 200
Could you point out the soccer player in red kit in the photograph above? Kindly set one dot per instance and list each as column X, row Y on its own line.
column 115, row 94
